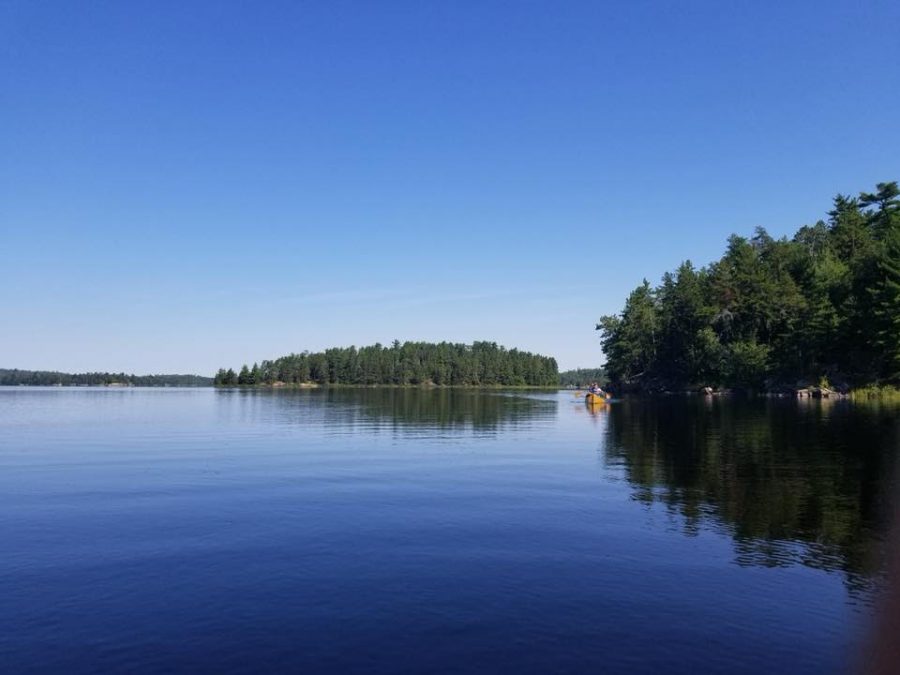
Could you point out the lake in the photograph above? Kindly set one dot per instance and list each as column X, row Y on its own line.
column 403, row 530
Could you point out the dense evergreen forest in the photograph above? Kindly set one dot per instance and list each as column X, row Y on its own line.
column 582, row 377
column 771, row 313
column 409, row 363
column 49, row 378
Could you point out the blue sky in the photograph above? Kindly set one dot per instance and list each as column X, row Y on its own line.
column 189, row 185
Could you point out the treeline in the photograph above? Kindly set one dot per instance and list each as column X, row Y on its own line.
column 50, row 378
column 823, row 305
column 409, row 363
column 582, row 377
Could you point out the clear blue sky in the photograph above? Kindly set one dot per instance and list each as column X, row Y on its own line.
column 189, row 185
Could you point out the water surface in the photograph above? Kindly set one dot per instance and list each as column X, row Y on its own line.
column 442, row 531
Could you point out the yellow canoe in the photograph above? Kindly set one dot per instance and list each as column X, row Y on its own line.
column 595, row 399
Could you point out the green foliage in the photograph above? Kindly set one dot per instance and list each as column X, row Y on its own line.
column 630, row 340
column 48, row 378
column 886, row 199
column 582, row 377
column 409, row 363
column 886, row 296
column 244, row 375
column 746, row 364
column 874, row 392
column 773, row 312
column 225, row 377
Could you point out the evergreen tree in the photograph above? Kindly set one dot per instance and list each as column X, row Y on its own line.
column 479, row 364
column 885, row 198
column 244, row 376
column 825, row 303
column 887, row 305
column 630, row 341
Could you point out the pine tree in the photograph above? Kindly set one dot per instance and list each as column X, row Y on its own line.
column 886, row 295
column 773, row 311
column 244, row 376
column 886, row 199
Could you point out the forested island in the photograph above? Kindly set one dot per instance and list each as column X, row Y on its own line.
column 820, row 308
column 481, row 364
column 51, row 378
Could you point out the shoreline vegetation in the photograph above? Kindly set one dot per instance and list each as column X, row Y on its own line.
column 481, row 364
column 816, row 315
column 421, row 385
column 51, row 378
column 582, row 377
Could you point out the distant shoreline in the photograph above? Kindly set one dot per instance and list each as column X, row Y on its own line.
column 53, row 378
column 111, row 385
column 865, row 392
column 423, row 385
column 292, row 385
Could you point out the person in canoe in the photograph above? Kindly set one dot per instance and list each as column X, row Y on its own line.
column 595, row 395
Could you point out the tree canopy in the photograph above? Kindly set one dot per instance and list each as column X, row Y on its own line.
column 409, row 363
column 51, row 378
column 582, row 377
column 773, row 312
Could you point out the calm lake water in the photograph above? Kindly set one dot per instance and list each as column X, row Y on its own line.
column 438, row 531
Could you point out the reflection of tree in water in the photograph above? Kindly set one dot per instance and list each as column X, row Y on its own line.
column 407, row 409
column 437, row 409
column 791, row 481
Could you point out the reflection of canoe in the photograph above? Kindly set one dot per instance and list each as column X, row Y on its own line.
column 595, row 399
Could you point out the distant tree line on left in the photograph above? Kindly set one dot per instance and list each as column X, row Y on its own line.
column 51, row 378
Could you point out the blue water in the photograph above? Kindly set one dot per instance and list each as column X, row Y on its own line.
column 433, row 531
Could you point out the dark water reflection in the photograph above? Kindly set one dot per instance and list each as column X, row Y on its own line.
column 793, row 482
column 383, row 531
column 406, row 410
